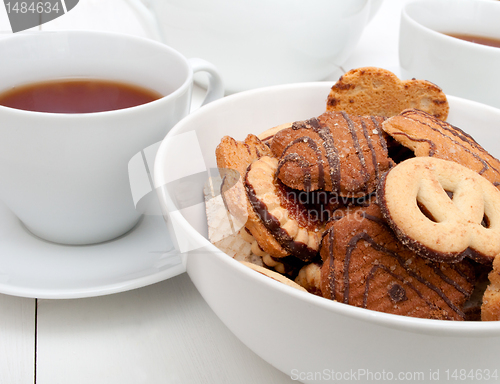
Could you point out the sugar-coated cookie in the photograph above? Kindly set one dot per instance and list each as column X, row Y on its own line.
column 334, row 152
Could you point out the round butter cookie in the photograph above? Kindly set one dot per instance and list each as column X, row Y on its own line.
column 442, row 210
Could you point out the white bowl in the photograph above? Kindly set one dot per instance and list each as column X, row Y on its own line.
column 308, row 337
column 261, row 42
column 459, row 67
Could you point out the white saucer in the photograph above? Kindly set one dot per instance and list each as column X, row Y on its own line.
column 32, row 267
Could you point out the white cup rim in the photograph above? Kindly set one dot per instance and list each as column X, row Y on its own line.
column 104, row 34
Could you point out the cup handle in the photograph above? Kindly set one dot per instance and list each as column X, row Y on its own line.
column 147, row 17
column 215, row 89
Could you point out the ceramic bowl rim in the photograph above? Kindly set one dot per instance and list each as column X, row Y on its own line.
column 409, row 324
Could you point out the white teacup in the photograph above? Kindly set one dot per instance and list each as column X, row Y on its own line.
column 65, row 176
column 262, row 42
column 459, row 67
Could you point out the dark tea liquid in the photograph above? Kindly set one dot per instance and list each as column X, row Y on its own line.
column 489, row 41
column 77, row 96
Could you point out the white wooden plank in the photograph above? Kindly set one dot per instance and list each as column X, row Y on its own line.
column 164, row 333
column 17, row 340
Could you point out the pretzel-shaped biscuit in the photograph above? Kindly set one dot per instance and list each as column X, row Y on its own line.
column 415, row 200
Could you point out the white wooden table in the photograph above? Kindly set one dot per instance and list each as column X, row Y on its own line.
column 163, row 333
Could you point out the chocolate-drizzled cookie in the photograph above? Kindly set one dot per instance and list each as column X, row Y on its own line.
column 366, row 266
column 425, row 135
column 334, row 152
column 295, row 228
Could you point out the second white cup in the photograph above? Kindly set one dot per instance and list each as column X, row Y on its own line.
column 261, row 43
column 461, row 68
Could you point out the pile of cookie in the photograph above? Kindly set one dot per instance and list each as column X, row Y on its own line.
column 377, row 203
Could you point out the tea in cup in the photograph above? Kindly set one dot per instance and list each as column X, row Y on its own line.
column 64, row 169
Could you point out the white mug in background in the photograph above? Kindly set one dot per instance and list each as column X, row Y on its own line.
column 65, row 176
column 460, row 68
column 260, row 43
